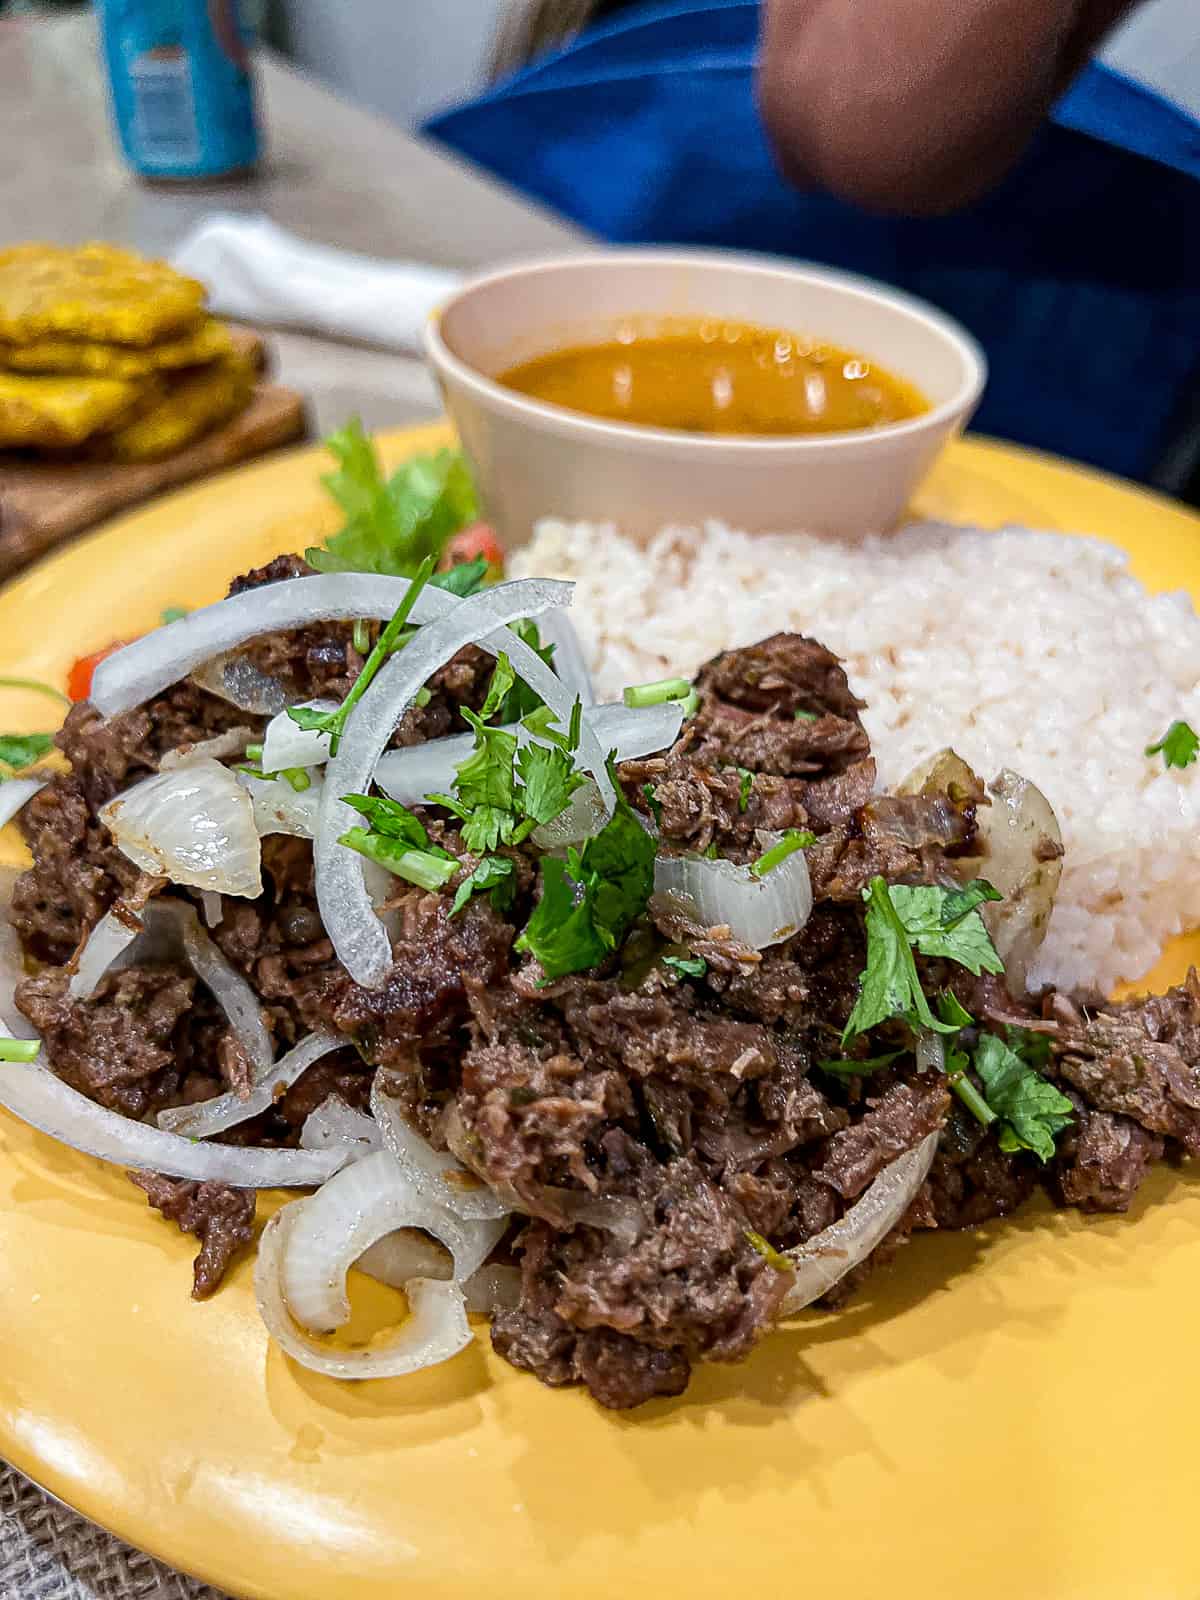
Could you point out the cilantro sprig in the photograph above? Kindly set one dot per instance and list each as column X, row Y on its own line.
column 399, row 841
column 494, row 874
column 21, row 750
column 1033, row 1111
column 334, row 722
column 395, row 524
column 504, row 790
column 1179, row 746
column 589, row 901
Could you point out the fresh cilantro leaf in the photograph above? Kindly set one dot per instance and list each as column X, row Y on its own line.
column 588, row 903
column 686, row 966
column 463, row 579
column 653, row 803
column 966, row 940
column 747, row 784
column 20, row 750
column 1179, row 746
column 390, row 819
column 521, row 699
column 848, row 1067
column 494, row 873
column 1033, row 1048
column 485, row 777
column 422, row 867
column 502, row 680
column 951, row 1010
column 794, row 839
column 550, row 778
column 333, row 722
column 774, row 1258
column 1033, row 1110
column 174, row 614
column 806, row 716
column 960, row 901
column 889, row 985
column 393, row 524
column 19, row 1049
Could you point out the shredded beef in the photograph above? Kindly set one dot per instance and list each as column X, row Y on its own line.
column 1101, row 1161
column 895, row 1122
column 221, row 1218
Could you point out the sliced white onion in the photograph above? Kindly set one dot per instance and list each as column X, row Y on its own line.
column 583, row 819
column 206, row 1117
column 18, row 792
column 278, row 808
column 34, row 1094
column 131, row 676
column 436, row 1328
column 418, row 770
column 436, row 1174
column 285, row 744
column 931, row 1051
column 825, row 1259
column 223, row 981
column 1024, row 861
column 232, row 742
column 758, row 911
column 242, row 684
column 109, row 939
column 556, row 628
column 371, row 1198
column 358, row 936
column 193, row 825
column 335, row 1125
column 213, row 907
column 397, row 1258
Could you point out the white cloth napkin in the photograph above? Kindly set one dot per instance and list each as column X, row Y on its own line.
column 258, row 272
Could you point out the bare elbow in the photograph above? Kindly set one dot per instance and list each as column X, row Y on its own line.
column 863, row 155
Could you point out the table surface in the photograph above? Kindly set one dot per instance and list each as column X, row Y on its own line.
column 333, row 173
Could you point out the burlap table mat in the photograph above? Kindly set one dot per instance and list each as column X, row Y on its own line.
column 48, row 1553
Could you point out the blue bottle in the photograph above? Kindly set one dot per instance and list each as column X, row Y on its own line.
column 180, row 86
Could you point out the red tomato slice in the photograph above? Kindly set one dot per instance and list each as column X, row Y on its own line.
column 476, row 542
column 79, row 679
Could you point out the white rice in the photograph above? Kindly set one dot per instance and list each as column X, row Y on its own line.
column 1029, row 650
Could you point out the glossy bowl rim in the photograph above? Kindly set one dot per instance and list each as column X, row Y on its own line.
column 578, row 425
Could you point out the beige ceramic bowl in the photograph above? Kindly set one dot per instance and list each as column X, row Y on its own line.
column 535, row 460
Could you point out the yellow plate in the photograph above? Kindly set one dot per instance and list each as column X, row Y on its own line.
column 1009, row 1412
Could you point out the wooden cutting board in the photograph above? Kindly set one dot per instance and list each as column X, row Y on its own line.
column 43, row 503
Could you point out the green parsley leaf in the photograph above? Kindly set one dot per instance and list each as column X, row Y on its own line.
column 19, row 1049
column 747, row 785
column 463, row 579
column 889, row 985
column 961, row 901
column 20, row 750
column 1179, row 746
column 493, row 873
column 390, row 819
column 542, row 723
column 951, row 1010
column 485, row 777
column 922, row 912
column 686, row 966
column 521, row 699
column 333, row 722
column 1034, row 1111
column 767, row 1250
column 174, row 614
column 393, row 524
column 652, row 802
column 550, row 778
column 589, row 902
column 1033, row 1048
column 422, row 867
column 806, row 716
column 849, row 1067
column 794, row 839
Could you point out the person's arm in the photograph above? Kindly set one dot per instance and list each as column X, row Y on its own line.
column 917, row 105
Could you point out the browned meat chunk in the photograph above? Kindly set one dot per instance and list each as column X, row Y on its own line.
column 221, row 1218
column 896, row 1122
